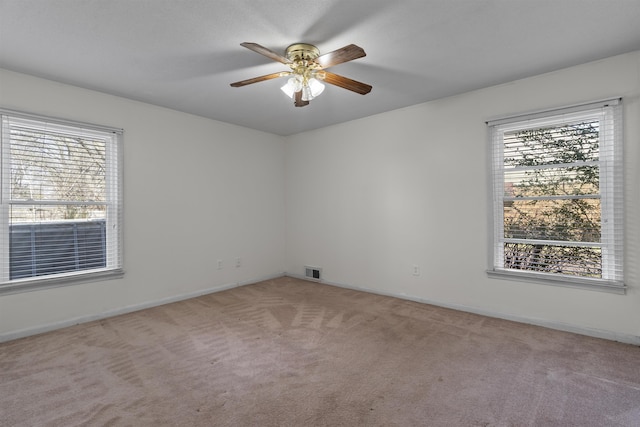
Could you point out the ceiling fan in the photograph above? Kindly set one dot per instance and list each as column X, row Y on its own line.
column 308, row 70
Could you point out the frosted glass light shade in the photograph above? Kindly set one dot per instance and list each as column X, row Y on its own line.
column 316, row 87
column 290, row 87
column 310, row 90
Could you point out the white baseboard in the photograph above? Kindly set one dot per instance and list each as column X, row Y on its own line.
column 591, row 332
column 597, row 333
column 8, row 336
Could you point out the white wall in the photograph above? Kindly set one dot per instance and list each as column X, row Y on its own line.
column 368, row 199
column 196, row 191
column 365, row 200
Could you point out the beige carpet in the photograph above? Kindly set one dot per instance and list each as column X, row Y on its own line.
column 287, row 352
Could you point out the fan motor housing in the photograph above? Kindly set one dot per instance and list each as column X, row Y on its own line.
column 302, row 51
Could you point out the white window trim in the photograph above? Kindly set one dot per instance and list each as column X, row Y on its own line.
column 613, row 204
column 115, row 213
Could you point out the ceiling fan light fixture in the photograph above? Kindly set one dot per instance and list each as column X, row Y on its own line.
column 308, row 70
column 310, row 88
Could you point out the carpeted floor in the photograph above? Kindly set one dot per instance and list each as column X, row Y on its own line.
column 287, row 352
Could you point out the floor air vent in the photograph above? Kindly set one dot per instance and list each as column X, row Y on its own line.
column 312, row 273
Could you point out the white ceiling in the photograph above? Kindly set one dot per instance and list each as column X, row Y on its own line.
column 182, row 54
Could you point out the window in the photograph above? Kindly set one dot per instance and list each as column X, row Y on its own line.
column 61, row 202
column 558, row 196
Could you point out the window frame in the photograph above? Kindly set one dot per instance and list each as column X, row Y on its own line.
column 114, row 267
column 611, row 195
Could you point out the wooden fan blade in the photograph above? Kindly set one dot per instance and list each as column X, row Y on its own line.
column 347, row 53
column 298, row 101
column 260, row 79
column 345, row 83
column 266, row 52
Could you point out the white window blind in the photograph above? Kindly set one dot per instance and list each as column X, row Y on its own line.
column 557, row 196
column 61, row 202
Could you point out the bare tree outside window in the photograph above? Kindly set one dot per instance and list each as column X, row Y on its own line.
column 56, row 168
column 552, row 181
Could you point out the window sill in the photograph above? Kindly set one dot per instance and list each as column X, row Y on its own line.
column 39, row 283
column 564, row 281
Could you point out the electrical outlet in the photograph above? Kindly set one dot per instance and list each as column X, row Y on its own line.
column 416, row 270
column 238, row 262
column 219, row 264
